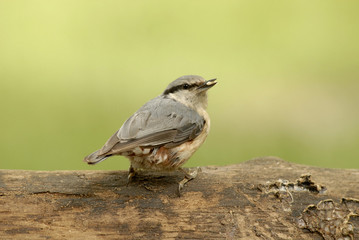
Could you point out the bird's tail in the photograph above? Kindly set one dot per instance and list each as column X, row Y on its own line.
column 94, row 158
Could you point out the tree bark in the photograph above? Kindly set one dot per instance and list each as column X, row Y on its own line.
column 264, row 198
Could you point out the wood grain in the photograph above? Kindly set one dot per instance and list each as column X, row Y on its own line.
column 230, row 202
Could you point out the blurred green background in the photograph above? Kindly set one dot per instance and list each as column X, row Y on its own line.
column 72, row 72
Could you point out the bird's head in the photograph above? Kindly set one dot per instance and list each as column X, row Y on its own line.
column 190, row 90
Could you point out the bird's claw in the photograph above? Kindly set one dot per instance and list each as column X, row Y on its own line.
column 188, row 177
column 131, row 174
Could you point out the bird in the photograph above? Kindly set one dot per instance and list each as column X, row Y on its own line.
column 165, row 132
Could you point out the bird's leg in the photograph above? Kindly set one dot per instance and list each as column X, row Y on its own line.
column 131, row 174
column 187, row 177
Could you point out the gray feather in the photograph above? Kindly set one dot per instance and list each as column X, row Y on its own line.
column 94, row 158
column 161, row 121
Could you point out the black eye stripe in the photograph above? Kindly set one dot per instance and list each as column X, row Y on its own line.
column 179, row 87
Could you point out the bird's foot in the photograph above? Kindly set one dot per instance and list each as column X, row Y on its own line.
column 131, row 173
column 188, row 177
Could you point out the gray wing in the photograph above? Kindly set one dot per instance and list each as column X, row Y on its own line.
column 160, row 122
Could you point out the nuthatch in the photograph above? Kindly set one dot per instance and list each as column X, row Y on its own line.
column 165, row 132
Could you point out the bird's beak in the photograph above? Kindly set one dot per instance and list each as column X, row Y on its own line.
column 208, row 84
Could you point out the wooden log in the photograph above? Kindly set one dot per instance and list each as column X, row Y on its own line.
column 263, row 198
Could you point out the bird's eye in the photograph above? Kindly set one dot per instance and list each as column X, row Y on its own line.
column 185, row 86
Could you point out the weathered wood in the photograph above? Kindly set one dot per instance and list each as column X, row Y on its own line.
column 231, row 202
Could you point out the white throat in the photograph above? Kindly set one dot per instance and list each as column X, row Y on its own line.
column 197, row 103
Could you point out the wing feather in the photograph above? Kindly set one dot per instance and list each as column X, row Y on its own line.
column 161, row 121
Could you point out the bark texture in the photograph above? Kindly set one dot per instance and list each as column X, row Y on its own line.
column 264, row 198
